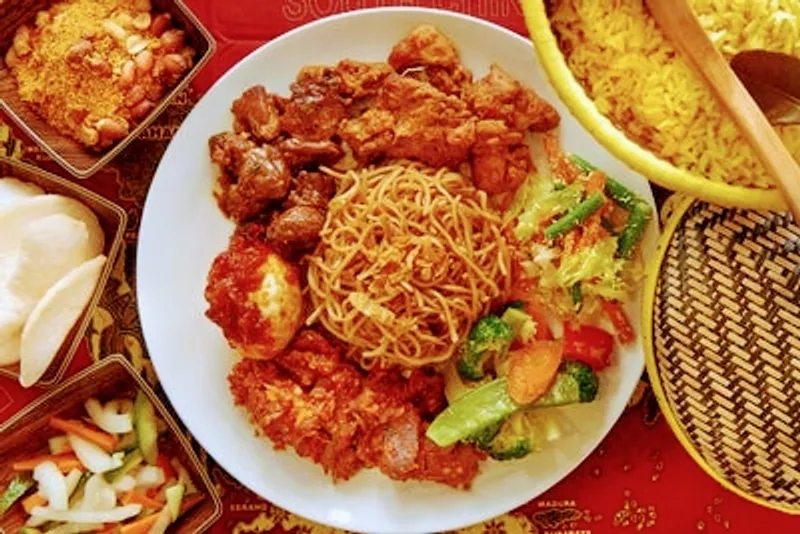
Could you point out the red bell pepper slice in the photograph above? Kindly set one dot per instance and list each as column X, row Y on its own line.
column 616, row 314
column 588, row 344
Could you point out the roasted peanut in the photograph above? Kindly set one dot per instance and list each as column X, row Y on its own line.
column 142, row 5
column 142, row 109
column 123, row 19
column 22, row 41
column 174, row 64
column 154, row 91
column 112, row 129
column 135, row 44
column 99, row 65
column 172, row 41
column 128, row 74
column 115, row 30
column 161, row 23
column 188, row 54
column 135, row 95
column 88, row 135
column 42, row 19
column 142, row 21
column 144, row 62
column 11, row 58
column 79, row 51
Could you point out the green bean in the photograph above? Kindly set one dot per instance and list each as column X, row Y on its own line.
column 575, row 216
column 634, row 229
column 618, row 192
column 577, row 295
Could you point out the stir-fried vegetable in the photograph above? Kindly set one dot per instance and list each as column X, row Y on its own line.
column 522, row 433
column 575, row 383
column 619, row 319
column 634, row 229
column 532, row 370
column 615, row 190
column 588, row 344
column 575, row 216
column 488, row 341
column 521, row 323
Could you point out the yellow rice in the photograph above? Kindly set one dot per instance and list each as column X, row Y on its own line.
column 639, row 81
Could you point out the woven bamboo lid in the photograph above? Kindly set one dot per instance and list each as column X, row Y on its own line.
column 722, row 327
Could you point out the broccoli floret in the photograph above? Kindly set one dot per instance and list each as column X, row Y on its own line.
column 522, row 433
column 574, row 383
column 489, row 339
column 521, row 323
column 484, row 437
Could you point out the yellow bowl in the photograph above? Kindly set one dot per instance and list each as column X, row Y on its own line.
column 641, row 160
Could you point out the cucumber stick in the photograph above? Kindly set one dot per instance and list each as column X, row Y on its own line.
column 146, row 427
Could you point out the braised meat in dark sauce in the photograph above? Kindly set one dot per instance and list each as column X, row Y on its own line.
column 421, row 105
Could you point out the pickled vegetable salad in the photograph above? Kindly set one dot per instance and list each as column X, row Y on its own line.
column 107, row 475
column 581, row 230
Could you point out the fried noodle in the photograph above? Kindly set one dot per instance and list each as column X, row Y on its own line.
column 410, row 258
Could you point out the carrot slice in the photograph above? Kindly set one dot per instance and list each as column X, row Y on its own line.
column 533, row 369
column 111, row 529
column 32, row 501
column 65, row 462
column 133, row 497
column 140, row 526
column 619, row 319
column 104, row 440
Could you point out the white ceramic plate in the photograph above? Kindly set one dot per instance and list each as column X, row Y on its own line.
column 182, row 231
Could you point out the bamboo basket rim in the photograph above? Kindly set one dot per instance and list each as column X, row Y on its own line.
column 652, row 276
column 615, row 141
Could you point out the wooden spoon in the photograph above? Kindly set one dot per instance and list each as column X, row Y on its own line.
column 773, row 80
column 678, row 22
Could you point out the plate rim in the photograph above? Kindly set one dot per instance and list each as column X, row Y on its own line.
column 489, row 511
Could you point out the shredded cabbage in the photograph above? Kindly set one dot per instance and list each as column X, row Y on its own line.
column 542, row 202
column 597, row 269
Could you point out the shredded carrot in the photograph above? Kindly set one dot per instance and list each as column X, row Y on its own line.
column 133, row 497
column 32, row 501
column 561, row 166
column 65, row 462
column 596, row 183
column 140, row 526
column 619, row 319
column 102, row 439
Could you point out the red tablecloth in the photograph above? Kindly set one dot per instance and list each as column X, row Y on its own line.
column 639, row 479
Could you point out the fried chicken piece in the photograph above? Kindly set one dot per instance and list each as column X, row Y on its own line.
column 499, row 96
column 500, row 159
column 359, row 79
column 313, row 189
column 424, row 46
column 299, row 153
column 296, row 230
column 369, row 136
column 315, row 109
column 330, row 411
column 428, row 55
column 430, row 126
column 258, row 113
column 252, row 177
